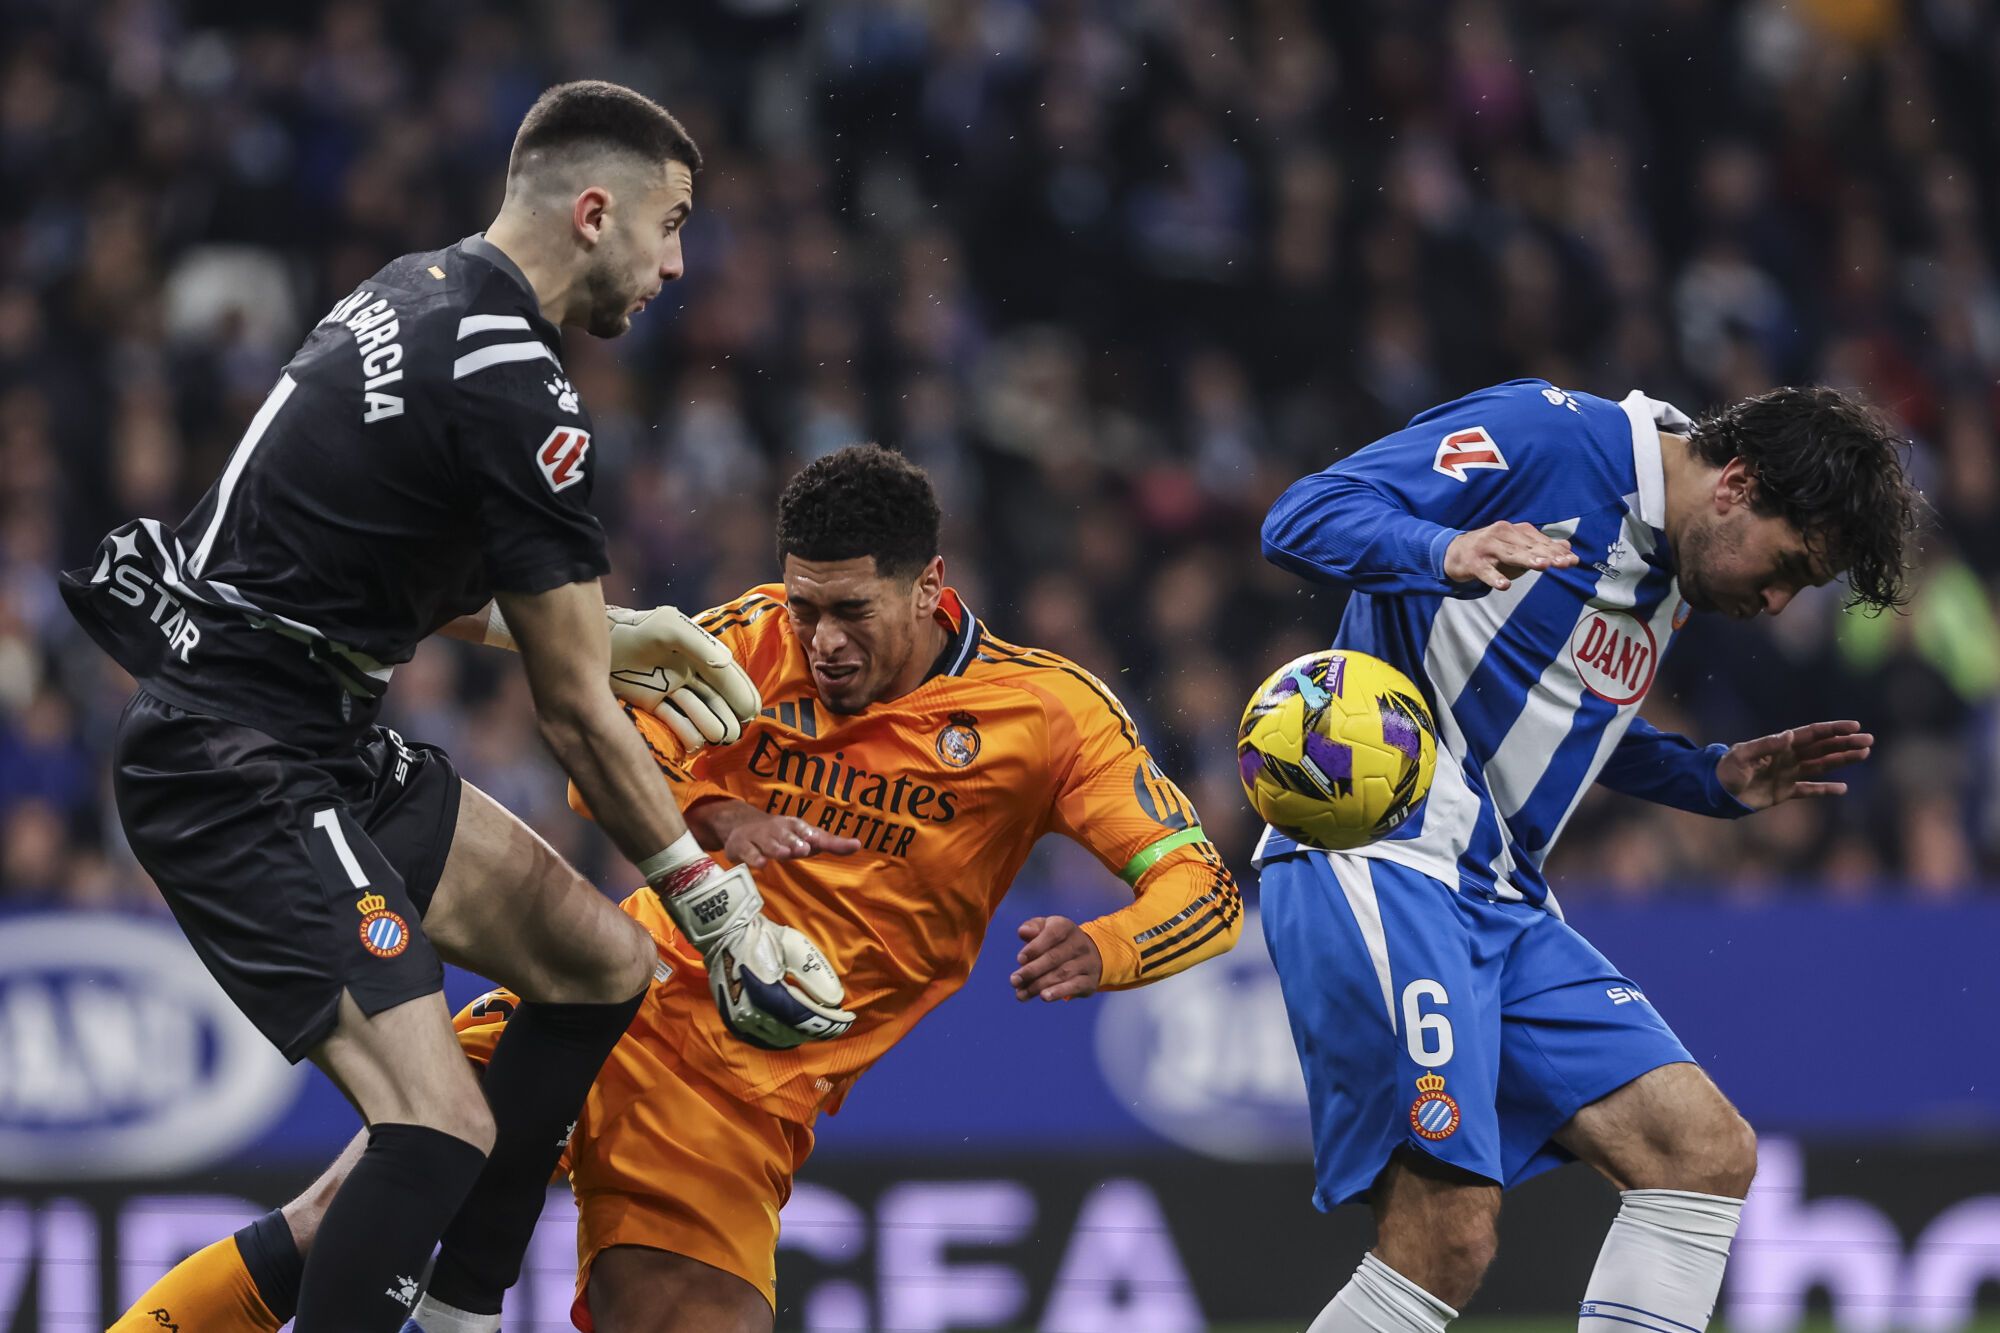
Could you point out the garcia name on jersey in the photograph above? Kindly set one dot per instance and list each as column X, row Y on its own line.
column 422, row 451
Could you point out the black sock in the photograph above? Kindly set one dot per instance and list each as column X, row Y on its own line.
column 369, row 1255
column 536, row 1083
column 272, row 1257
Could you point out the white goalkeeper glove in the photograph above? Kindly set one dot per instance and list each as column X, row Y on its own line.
column 666, row 665
column 772, row 985
column 673, row 668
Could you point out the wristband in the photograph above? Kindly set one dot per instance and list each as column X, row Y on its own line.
column 682, row 864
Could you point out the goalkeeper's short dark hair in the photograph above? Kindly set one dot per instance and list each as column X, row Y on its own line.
column 863, row 500
column 592, row 114
column 1833, row 467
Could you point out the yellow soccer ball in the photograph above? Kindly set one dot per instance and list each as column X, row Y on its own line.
column 1336, row 749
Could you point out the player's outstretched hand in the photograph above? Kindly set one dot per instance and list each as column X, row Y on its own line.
column 761, row 838
column 1776, row 768
column 1499, row 553
column 1059, row 961
column 674, row 669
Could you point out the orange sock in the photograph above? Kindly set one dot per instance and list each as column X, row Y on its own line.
column 210, row 1291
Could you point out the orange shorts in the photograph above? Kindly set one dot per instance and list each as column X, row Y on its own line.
column 665, row 1158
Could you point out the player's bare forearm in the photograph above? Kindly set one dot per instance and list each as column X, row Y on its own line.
column 711, row 820
column 565, row 647
column 616, row 776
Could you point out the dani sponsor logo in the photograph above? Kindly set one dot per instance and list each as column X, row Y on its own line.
column 1615, row 654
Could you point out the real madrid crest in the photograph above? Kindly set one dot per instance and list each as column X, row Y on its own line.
column 958, row 743
column 1433, row 1115
column 383, row 933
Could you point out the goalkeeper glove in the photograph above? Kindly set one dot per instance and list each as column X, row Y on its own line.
column 772, row 985
column 667, row 665
column 673, row 668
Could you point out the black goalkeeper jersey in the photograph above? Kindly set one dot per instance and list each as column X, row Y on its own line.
column 422, row 451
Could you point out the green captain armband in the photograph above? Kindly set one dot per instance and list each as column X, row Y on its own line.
column 1150, row 856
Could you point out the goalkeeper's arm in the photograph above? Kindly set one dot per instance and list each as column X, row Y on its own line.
column 772, row 984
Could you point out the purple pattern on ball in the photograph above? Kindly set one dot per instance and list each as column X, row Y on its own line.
column 1286, row 684
column 1249, row 763
column 1333, row 759
column 1401, row 733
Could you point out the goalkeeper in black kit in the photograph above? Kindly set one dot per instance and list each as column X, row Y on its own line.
column 423, row 465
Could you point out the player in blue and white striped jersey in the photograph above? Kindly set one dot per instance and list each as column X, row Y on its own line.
column 1525, row 555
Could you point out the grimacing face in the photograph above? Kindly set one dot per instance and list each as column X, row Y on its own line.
column 1742, row 563
column 638, row 249
column 864, row 633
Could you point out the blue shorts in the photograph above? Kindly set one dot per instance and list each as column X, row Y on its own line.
column 1468, row 1029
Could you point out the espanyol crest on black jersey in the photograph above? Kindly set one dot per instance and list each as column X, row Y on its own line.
column 422, row 451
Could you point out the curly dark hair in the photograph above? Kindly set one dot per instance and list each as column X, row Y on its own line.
column 863, row 500
column 593, row 112
column 1831, row 466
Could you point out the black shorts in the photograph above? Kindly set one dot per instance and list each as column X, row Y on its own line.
column 296, row 874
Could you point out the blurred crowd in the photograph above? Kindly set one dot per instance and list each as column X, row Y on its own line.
column 1116, row 271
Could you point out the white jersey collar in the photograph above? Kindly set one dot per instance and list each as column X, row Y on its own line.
column 1650, row 416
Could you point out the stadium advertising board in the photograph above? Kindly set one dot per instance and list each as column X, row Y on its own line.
column 119, row 1057
column 1874, row 1237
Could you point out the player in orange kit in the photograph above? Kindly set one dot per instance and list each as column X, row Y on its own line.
column 905, row 763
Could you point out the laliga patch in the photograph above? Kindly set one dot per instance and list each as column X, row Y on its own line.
column 1463, row 450
column 383, row 933
column 1433, row 1115
column 561, row 456
column 958, row 743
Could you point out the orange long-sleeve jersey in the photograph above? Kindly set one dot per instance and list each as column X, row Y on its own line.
column 947, row 788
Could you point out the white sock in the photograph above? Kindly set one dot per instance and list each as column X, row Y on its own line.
column 437, row 1317
column 1661, row 1266
column 1378, row 1299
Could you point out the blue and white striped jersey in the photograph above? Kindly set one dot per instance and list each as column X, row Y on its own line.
column 1536, row 689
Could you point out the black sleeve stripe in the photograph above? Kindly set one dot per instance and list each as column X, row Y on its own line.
column 1189, row 947
column 715, row 623
column 1212, row 914
column 659, row 755
column 743, row 606
column 1012, row 656
column 1175, row 921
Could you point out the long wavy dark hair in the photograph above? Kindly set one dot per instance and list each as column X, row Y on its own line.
column 1833, row 467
